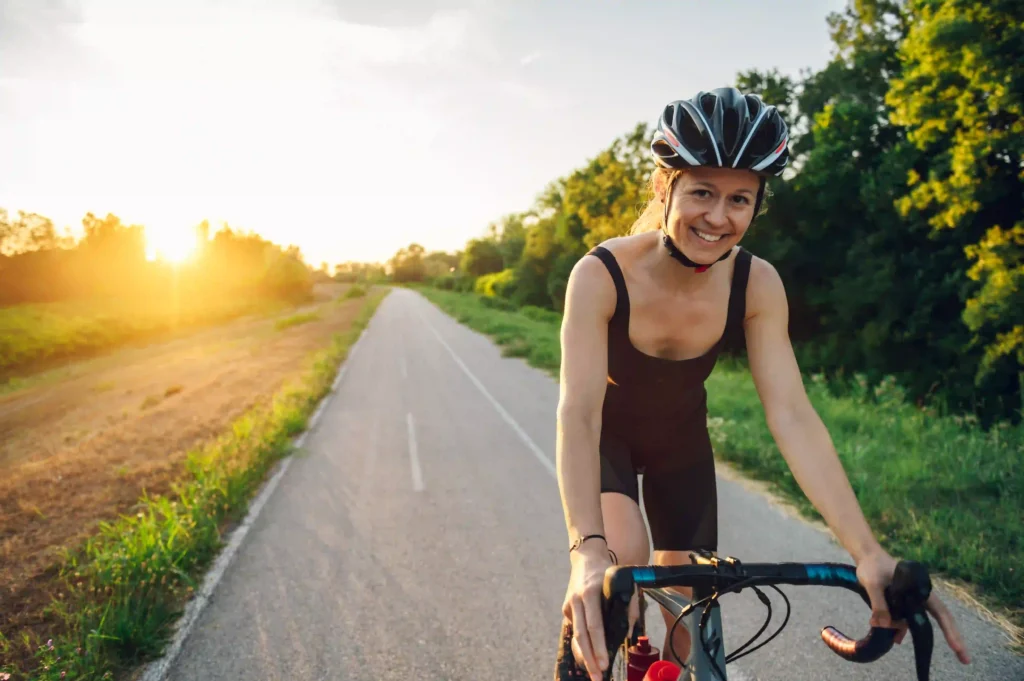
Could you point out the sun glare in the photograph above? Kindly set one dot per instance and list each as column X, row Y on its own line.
column 172, row 245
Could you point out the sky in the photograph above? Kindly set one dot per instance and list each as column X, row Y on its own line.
column 351, row 128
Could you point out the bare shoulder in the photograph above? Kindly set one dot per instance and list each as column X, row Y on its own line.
column 766, row 294
column 628, row 248
column 590, row 290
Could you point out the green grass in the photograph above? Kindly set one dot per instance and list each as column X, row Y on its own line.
column 33, row 335
column 354, row 291
column 127, row 586
column 530, row 336
column 934, row 489
column 295, row 320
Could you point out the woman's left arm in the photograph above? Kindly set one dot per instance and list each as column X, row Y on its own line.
column 807, row 446
column 798, row 430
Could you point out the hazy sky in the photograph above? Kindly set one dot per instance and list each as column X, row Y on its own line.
column 351, row 127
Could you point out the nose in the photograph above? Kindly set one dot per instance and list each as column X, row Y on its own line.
column 716, row 217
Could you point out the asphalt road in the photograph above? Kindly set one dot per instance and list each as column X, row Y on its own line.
column 419, row 535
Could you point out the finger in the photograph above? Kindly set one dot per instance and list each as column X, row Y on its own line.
column 581, row 638
column 949, row 629
column 567, row 604
column 901, row 633
column 879, row 610
column 595, row 627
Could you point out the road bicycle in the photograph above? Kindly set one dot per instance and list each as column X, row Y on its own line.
column 711, row 577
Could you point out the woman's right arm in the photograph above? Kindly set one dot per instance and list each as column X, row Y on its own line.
column 589, row 304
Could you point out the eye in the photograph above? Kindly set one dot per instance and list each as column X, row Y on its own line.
column 701, row 193
column 741, row 199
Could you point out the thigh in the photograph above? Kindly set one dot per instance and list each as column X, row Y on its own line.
column 625, row 529
column 682, row 506
column 620, row 505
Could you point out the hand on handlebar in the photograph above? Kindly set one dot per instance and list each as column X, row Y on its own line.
column 582, row 607
column 875, row 572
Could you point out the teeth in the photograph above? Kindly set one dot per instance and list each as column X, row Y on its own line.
column 707, row 237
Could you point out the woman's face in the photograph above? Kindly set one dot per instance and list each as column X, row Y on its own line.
column 710, row 210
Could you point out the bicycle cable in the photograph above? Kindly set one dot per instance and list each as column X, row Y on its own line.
column 693, row 606
column 764, row 599
column 760, row 631
column 707, row 601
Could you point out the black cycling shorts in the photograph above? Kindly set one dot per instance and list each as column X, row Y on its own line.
column 680, row 492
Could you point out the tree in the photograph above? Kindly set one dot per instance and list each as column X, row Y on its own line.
column 510, row 236
column 481, row 256
column 407, row 264
column 440, row 264
column 30, row 232
column 352, row 272
column 961, row 98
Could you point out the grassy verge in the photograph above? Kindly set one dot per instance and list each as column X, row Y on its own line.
column 354, row 291
column 127, row 586
column 34, row 335
column 530, row 333
column 295, row 320
column 934, row 489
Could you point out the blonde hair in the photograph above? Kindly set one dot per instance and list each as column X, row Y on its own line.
column 652, row 216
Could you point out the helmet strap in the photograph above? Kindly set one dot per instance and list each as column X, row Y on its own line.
column 674, row 251
column 759, row 199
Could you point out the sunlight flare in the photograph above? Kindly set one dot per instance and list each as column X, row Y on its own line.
column 175, row 245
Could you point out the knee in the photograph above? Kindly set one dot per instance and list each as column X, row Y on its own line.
column 630, row 549
column 625, row 529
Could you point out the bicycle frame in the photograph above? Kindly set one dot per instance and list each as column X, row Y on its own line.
column 698, row 665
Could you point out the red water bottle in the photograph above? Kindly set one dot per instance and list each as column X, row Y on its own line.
column 663, row 670
column 639, row 658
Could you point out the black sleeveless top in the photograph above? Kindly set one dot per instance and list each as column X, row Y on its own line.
column 663, row 398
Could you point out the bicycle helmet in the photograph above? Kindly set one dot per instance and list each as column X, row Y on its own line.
column 722, row 128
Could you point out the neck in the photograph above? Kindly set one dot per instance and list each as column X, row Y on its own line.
column 671, row 273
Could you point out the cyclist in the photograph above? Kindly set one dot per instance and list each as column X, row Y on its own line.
column 646, row 316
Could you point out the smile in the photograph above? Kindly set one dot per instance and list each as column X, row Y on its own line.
column 710, row 238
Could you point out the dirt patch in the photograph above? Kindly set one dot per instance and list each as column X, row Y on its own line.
column 83, row 449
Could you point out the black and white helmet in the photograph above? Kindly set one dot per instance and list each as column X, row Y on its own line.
column 723, row 129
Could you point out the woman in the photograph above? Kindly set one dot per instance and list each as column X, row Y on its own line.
column 645, row 318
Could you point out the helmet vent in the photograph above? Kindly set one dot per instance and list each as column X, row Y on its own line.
column 763, row 143
column 691, row 138
column 730, row 130
column 753, row 106
column 707, row 103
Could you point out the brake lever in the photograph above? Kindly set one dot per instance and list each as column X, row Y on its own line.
column 923, row 636
column 906, row 597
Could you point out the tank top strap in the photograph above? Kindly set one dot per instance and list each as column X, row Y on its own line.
column 621, row 295
column 735, row 336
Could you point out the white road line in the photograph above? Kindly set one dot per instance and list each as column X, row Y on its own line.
column 414, row 459
column 157, row 669
column 316, row 415
column 344, row 368
column 530, row 444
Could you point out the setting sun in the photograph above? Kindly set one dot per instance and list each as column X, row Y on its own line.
column 172, row 245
